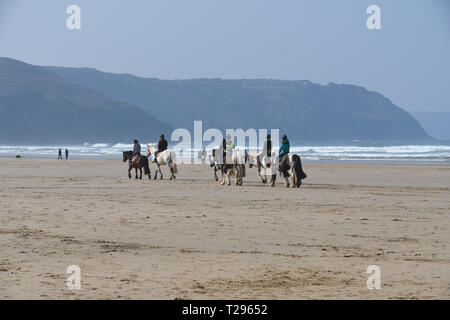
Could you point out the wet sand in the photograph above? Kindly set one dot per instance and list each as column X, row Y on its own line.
column 195, row 239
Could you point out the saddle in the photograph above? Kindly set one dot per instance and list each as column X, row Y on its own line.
column 158, row 154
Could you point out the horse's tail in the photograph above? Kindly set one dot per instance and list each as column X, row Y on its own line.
column 174, row 162
column 297, row 169
column 146, row 166
column 242, row 169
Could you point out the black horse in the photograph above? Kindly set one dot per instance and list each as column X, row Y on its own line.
column 291, row 167
column 139, row 163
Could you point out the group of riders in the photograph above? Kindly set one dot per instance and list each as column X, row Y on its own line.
column 225, row 148
column 162, row 146
column 224, row 158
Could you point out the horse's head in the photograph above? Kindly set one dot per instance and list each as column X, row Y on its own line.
column 252, row 159
column 212, row 157
column 150, row 149
column 127, row 155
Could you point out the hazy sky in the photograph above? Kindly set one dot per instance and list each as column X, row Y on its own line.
column 324, row 41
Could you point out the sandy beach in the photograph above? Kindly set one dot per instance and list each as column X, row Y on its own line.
column 195, row 239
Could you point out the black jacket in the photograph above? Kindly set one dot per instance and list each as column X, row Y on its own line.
column 162, row 145
column 267, row 149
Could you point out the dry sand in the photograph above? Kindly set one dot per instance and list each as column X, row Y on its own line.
column 193, row 238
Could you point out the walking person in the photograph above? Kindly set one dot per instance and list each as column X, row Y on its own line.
column 60, row 154
column 67, row 153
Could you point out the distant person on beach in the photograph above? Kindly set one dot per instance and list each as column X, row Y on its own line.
column 67, row 153
column 203, row 155
column 60, row 154
column 162, row 146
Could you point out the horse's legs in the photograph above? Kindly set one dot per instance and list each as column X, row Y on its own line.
column 273, row 178
column 230, row 173
column 224, row 173
column 215, row 173
column 156, row 171
column 129, row 172
column 140, row 170
column 259, row 175
column 241, row 178
column 160, row 172
column 172, row 175
column 286, row 182
column 171, row 172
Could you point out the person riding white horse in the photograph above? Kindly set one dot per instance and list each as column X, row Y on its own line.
column 166, row 157
column 162, row 146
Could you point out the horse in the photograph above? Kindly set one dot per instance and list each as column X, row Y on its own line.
column 234, row 165
column 165, row 157
column 139, row 163
column 265, row 165
column 218, row 165
column 291, row 166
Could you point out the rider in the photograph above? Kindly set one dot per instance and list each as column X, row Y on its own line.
column 229, row 146
column 136, row 149
column 284, row 150
column 221, row 153
column 162, row 146
column 267, row 149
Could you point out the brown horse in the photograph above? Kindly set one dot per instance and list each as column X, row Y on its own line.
column 139, row 163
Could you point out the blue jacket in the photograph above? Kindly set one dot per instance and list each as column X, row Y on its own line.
column 284, row 148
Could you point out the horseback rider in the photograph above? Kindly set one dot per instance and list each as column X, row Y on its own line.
column 229, row 146
column 282, row 152
column 284, row 148
column 222, row 151
column 267, row 150
column 162, row 146
column 136, row 149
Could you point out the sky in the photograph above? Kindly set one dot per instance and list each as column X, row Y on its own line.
column 407, row 60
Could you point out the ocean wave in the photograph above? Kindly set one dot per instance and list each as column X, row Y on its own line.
column 433, row 153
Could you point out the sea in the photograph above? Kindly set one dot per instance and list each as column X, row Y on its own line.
column 356, row 151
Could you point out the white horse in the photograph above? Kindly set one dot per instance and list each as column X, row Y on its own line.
column 267, row 166
column 166, row 157
column 234, row 165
